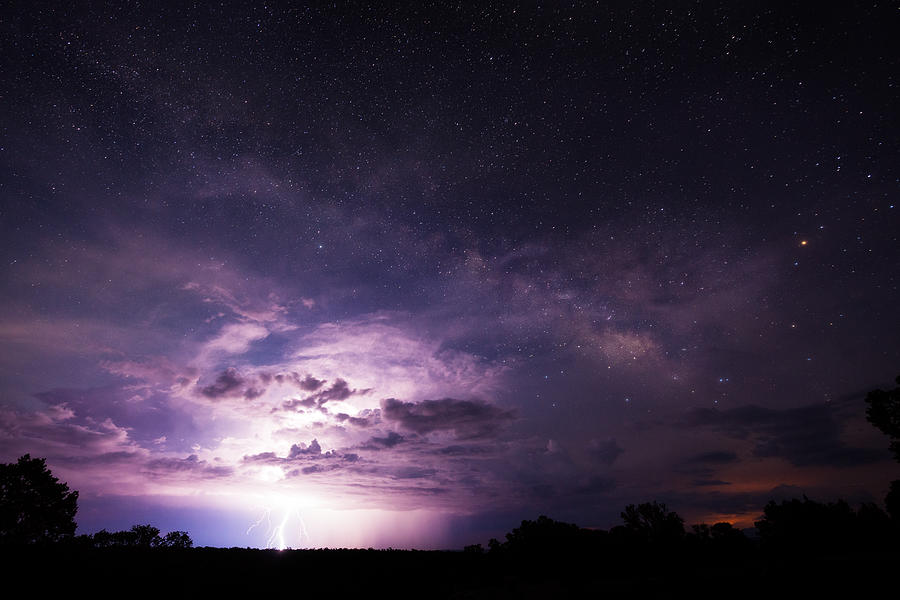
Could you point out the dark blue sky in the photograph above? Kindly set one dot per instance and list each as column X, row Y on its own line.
column 408, row 276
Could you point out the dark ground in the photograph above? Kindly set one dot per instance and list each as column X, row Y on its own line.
column 207, row 572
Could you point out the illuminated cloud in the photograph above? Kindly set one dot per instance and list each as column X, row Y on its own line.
column 190, row 467
column 235, row 338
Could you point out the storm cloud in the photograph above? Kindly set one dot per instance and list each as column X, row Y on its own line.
column 804, row 436
column 467, row 419
column 228, row 384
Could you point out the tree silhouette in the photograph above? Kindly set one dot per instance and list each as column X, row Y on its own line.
column 543, row 536
column 145, row 536
column 139, row 536
column 176, row 539
column 884, row 413
column 808, row 526
column 721, row 534
column 653, row 523
column 892, row 501
column 34, row 506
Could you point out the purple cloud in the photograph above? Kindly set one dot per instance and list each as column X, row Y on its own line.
column 466, row 418
column 313, row 449
column 380, row 443
column 228, row 383
column 191, row 465
column 804, row 436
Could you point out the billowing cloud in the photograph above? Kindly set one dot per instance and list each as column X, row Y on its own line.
column 310, row 383
column 339, row 390
column 313, row 449
column 228, row 383
column 384, row 352
column 379, row 443
column 190, row 466
column 466, row 418
column 235, row 338
column 804, row 436
column 367, row 419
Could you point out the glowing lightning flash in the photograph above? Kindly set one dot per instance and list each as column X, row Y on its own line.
column 266, row 515
column 276, row 539
column 276, row 533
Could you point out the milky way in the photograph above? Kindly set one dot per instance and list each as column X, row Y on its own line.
column 418, row 274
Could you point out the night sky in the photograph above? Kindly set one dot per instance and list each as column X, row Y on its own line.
column 352, row 276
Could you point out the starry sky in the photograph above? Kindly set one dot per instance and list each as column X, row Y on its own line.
column 323, row 275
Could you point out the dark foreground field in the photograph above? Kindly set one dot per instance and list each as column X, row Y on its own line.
column 205, row 572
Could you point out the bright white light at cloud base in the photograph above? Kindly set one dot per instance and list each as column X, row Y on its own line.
column 284, row 521
column 281, row 519
column 270, row 474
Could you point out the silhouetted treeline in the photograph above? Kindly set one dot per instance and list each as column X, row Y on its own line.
column 139, row 536
column 803, row 549
column 807, row 547
column 650, row 555
column 883, row 411
column 806, row 526
column 35, row 508
column 826, row 528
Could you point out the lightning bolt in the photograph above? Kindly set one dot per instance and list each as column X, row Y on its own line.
column 276, row 538
column 276, row 534
column 267, row 516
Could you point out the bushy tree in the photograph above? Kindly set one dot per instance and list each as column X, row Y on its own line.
column 544, row 535
column 176, row 539
column 892, row 500
column 719, row 540
column 884, row 413
column 34, row 506
column 145, row 536
column 653, row 523
column 474, row 549
column 808, row 526
column 139, row 536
